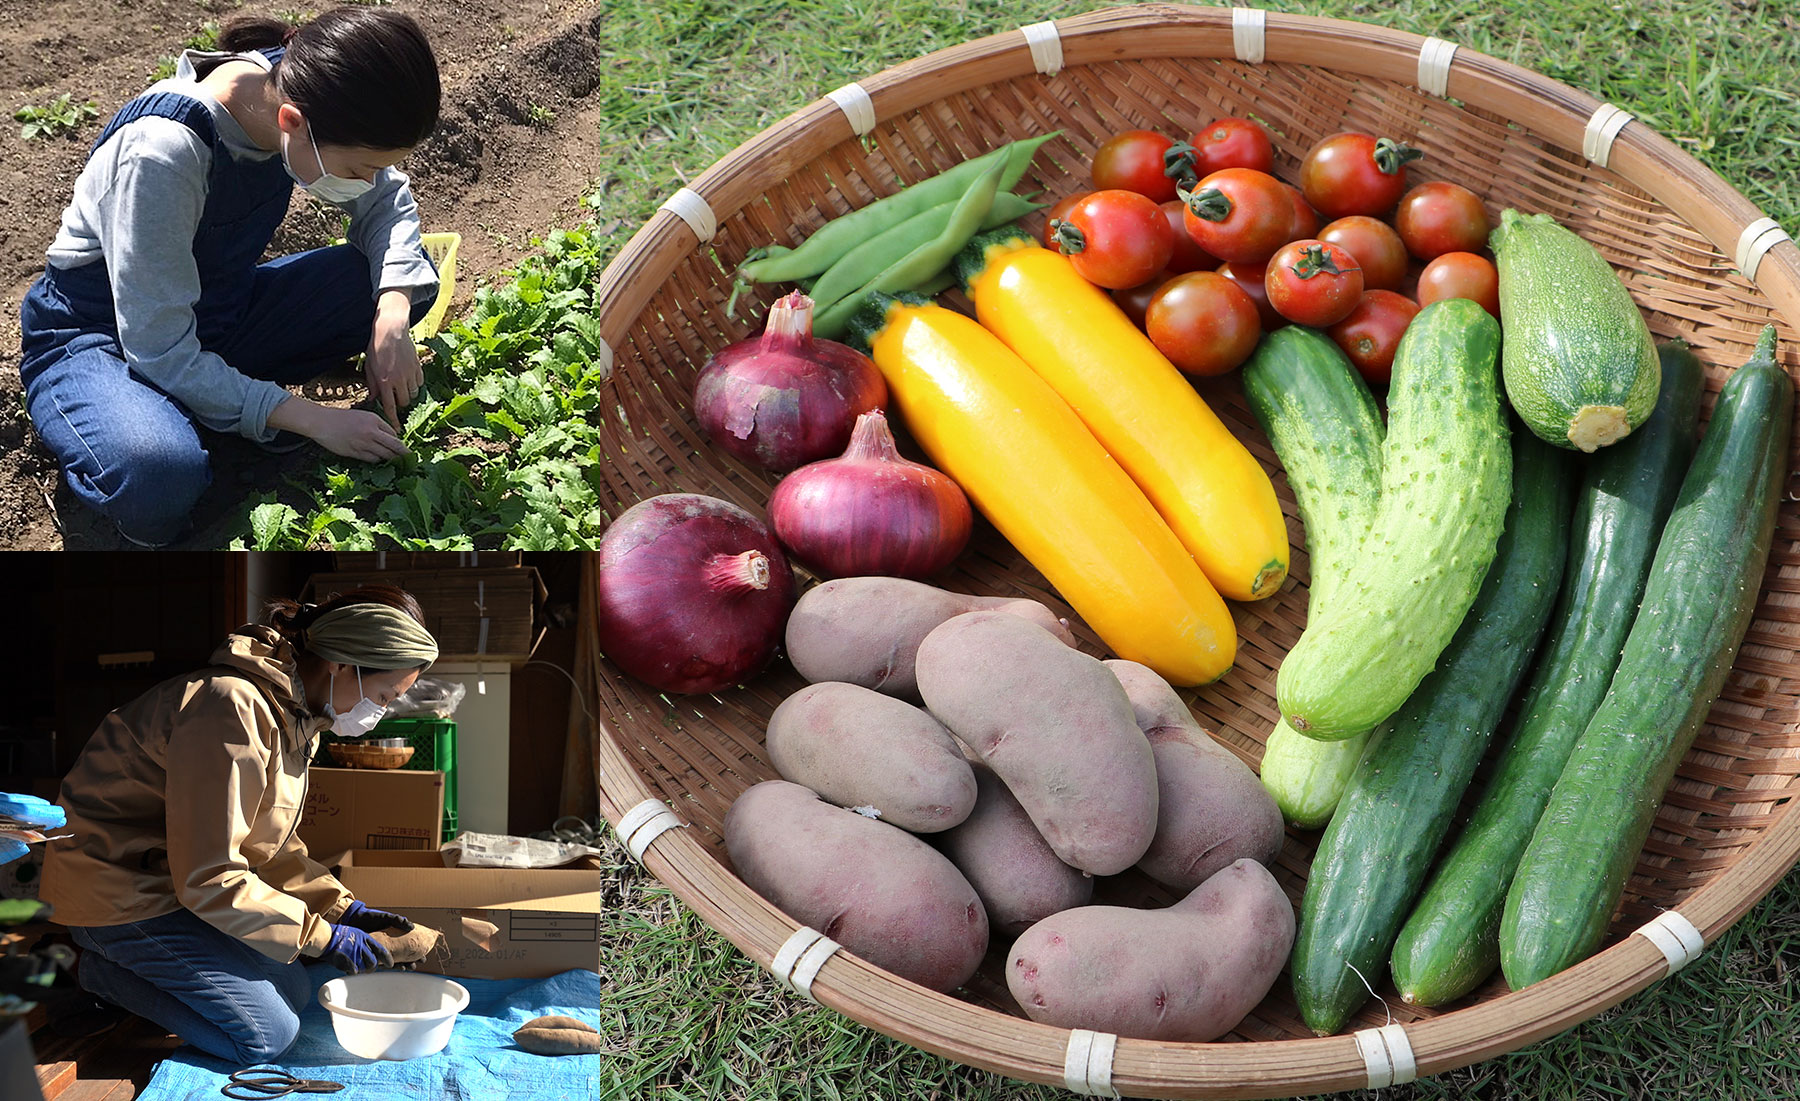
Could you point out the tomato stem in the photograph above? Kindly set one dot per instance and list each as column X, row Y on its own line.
column 1210, row 205
column 1317, row 260
column 1181, row 164
column 1391, row 156
column 1069, row 240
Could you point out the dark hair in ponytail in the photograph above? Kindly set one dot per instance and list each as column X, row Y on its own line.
column 362, row 76
column 290, row 617
column 243, row 33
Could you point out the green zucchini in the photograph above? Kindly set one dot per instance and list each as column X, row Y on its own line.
column 1451, row 943
column 1445, row 478
column 1326, row 430
column 1698, row 602
column 1579, row 363
column 1374, row 855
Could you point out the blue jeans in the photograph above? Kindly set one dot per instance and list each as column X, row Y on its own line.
column 207, row 987
column 129, row 450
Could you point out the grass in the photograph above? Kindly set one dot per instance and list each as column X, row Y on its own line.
column 691, row 1018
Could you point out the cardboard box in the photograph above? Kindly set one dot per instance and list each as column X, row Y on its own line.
column 358, row 561
column 475, row 613
column 370, row 808
column 549, row 918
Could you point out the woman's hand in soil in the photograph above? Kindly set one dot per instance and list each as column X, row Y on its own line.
column 352, row 433
column 392, row 363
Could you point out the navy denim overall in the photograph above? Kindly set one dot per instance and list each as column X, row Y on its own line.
column 128, row 449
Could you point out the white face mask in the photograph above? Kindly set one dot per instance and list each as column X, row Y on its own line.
column 332, row 189
column 360, row 719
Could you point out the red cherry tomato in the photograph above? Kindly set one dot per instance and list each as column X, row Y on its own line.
column 1249, row 278
column 1116, row 238
column 1306, row 219
column 1203, row 322
column 1376, row 247
column 1370, row 333
column 1438, row 217
column 1057, row 212
column 1461, row 275
column 1313, row 282
column 1189, row 256
column 1231, row 142
column 1133, row 161
column 1240, row 215
column 1352, row 173
column 1136, row 300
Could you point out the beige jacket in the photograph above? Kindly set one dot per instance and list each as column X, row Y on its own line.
column 189, row 796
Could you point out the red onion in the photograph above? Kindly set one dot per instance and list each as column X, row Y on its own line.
column 693, row 593
column 871, row 511
column 786, row 398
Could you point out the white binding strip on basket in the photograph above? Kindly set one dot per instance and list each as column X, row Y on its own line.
column 693, row 210
column 1046, row 46
column 1434, row 65
column 798, row 962
column 1757, row 239
column 1603, row 126
column 853, row 99
column 1249, row 29
column 1677, row 938
column 644, row 823
column 1387, row 1055
column 1087, row 1062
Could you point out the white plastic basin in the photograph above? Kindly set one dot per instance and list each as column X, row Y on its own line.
column 393, row 1014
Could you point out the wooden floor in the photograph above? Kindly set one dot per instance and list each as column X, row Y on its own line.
column 113, row 1066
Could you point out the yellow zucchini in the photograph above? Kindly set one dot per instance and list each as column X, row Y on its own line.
column 1208, row 487
column 1039, row 476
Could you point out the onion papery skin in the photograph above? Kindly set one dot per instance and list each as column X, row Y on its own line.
column 677, row 596
column 871, row 512
column 785, row 398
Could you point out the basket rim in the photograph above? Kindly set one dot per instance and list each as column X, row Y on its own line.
column 1024, row 1049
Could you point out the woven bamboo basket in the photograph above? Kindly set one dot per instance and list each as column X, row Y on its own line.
column 1698, row 257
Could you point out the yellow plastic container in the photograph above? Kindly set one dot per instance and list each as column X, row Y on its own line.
column 441, row 247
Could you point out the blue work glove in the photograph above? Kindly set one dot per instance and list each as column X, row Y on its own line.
column 351, row 950
column 358, row 916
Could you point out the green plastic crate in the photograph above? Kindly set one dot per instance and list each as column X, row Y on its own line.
column 434, row 747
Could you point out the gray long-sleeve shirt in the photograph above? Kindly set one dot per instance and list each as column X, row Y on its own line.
column 137, row 204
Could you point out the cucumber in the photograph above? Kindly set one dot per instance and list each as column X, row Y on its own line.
column 1579, row 363
column 1698, row 602
column 1451, row 943
column 1445, row 478
column 1374, row 855
column 1327, row 432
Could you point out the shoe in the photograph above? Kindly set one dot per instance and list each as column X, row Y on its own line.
column 79, row 1014
column 139, row 542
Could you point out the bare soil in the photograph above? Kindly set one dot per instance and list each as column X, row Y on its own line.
column 516, row 150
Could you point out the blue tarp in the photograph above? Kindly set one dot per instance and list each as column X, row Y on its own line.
column 481, row 1062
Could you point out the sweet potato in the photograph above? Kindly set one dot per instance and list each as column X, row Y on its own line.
column 1211, row 808
column 557, row 1036
column 874, row 888
column 1055, row 725
column 410, row 947
column 866, row 630
column 1189, row 972
column 1009, row 863
column 873, row 753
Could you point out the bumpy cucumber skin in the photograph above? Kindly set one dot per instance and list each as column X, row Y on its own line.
column 1374, row 855
column 1574, row 337
column 1324, row 425
column 1445, row 481
column 1450, row 944
column 1698, row 602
